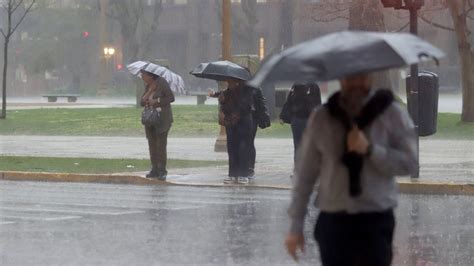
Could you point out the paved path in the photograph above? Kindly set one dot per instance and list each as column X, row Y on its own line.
column 95, row 224
column 89, row 102
column 444, row 160
column 448, row 103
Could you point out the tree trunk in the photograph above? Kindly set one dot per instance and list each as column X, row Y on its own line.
column 286, row 24
column 3, row 115
column 250, row 10
column 367, row 15
column 467, row 69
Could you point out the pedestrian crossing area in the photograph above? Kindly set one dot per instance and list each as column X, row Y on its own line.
column 37, row 202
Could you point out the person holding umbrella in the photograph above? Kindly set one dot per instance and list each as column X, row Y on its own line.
column 157, row 116
column 301, row 101
column 235, row 114
column 354, row 146
column 261, row 119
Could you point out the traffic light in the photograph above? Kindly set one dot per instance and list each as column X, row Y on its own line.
column 393, row 3
column 85, row 34
column 399, row 4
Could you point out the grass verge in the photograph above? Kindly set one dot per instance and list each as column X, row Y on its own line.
column 90, row 165
column 190, row 121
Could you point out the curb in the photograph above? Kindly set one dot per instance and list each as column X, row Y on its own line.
column 407, row 186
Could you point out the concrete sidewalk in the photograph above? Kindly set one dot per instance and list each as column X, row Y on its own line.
column 441, row 160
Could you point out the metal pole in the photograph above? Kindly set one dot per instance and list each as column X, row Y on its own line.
column 414, row 87
column 221, row 142
column 102, row 40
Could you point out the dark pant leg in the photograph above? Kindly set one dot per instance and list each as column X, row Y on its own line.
column 332, row 240
column 374, row 238
column 150, row 135
column 161, row 150
column 298, row 125
column 231, row 151
column 355, row 240
column 253, row 151
column 244, row 140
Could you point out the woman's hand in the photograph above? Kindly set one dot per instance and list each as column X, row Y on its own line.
column 292, row 243
column 211, row 93
column 357, row 141
column 154, row 103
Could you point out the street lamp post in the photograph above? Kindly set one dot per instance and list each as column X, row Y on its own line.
column 108, row 53
column 413, row 6
column 221, row 142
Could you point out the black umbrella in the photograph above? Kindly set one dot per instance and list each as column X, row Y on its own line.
column 221, row 71
column 341, row 54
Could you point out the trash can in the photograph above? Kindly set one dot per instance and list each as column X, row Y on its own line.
column 428, row 95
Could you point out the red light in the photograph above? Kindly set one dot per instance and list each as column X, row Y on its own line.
column 119, row 66
column 85, row 34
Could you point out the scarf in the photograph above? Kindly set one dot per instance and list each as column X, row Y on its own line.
column 371, row 110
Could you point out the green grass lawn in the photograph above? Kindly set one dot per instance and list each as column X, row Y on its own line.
column 190, row 121
column 88, row 165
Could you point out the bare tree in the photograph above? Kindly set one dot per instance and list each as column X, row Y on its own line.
column 244, row 23
column 461, row 14
column 136, row 27
column 366, row 15
column 15, row 12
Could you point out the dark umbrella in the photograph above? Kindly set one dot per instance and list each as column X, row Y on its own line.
column 341, row 54
column 221, row 71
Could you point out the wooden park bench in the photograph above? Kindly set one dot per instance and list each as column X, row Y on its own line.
column 71, row 98
column 201, row 96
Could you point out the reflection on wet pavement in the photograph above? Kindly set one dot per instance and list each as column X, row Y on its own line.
column 84, row 224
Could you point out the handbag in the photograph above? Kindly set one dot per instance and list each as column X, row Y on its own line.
column 151, row 116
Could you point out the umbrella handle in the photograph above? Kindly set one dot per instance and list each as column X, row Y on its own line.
column 422, row 55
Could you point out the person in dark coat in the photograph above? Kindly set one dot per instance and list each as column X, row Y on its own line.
column 235, row 115
column 301, row 101
column 261, row 120
column 158, row 94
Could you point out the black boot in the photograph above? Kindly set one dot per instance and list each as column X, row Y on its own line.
column 162, row 175
column 152, row 174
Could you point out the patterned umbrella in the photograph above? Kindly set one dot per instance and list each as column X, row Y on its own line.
column 175, row 81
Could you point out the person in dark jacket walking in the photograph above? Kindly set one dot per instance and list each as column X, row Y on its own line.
column 301, row 101
column 236, row 116
column 158, row 95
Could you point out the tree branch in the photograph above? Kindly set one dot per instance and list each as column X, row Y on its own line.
column 22, row 17
column 15, row 7
column 432, row 23
column 3, row 33
column 403, row 27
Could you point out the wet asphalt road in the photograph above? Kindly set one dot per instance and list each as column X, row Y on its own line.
column 96, row 224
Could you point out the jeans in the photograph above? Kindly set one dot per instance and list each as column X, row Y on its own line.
column 298, row 125
column 253, row 151
column 239, row 147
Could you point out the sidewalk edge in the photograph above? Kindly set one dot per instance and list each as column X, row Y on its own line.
column 406, row 186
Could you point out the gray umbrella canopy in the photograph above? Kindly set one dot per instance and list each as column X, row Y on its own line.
column 341, row 54
column 174, row 80
column 221, row 71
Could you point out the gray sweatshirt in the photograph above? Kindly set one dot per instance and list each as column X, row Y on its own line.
column 393, row 139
